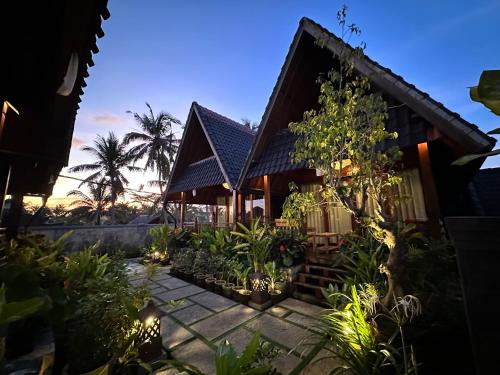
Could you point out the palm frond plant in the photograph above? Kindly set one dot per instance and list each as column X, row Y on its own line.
column 157, row 143
column 90, row 207
column 111, row 158
column 255, row 244
column 274, row 275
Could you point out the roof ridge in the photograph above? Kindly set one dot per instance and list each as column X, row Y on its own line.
column 231, row 122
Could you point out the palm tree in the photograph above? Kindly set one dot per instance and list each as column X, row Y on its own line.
column 91, row 206
column 158, row 143
column 111, row 158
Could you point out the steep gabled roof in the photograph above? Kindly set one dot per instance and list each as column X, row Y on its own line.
column 447, row 122
column 229, row 143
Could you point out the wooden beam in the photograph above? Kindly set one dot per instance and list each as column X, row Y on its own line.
column 236, row 199
column 267, row 199
column 429, row 187
column 183, row 208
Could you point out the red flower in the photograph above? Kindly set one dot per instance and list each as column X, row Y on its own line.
column 282, row 248
column 66, row 284
column 341, row 242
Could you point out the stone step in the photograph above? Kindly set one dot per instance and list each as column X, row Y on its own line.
column 331, row 272
column 321, row 281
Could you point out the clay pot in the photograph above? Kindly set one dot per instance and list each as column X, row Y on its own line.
column 227, row 290
column 210, row 283
column 243, row 296
column 199, row 279
column 276, row 296
column 218, row 286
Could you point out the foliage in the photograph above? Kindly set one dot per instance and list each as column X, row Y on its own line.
column 274, row 275
column 288, row 246
column 255, row 244
column 13, row 311
column 180, row 239
column 111, row 158
column 90, row 207
column 157, row 143
column 354, row 324
column 160, row 238
column 242, row 276
column 362, row 255
column 344, row 140
column 217, row 242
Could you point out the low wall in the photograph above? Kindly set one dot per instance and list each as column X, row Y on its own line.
column 128, row 238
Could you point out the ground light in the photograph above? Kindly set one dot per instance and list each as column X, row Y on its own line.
column 150, row 334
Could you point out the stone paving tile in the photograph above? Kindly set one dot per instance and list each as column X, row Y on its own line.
column 277, row 311
column 285, row 363
column 304, row 321
column 197, row 353
column 239, row 339
column 179, row 293
column 169, row 309
column 155, row 290
column 161, row 276
column 138, row 282
column 213, row 301
column 284, row 333
column 322, row 364
column 192, row 314
column 222, row 322
column 173, row 333
column 173, row 283
column 301, row 307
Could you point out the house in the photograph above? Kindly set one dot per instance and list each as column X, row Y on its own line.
column 430, row 137
column 211, row 156
column 47, row 51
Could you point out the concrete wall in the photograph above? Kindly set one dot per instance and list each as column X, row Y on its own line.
column 128, row 238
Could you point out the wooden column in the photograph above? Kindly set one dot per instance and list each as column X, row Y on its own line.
column 235, row 207
column 267, row 199
column 250, row 198
column 429, row 188
column 226, row 199
column 14, row 216
column 183, row 208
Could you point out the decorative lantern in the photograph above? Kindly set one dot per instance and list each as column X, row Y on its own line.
column 150, row 332
column 258, row 282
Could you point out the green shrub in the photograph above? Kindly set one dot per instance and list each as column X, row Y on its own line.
column 287, row 247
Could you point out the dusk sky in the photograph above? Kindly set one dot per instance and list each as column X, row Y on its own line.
column 227, row 56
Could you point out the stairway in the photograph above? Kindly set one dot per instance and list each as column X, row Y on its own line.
column 314, row 277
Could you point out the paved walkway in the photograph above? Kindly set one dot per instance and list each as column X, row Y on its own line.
column 192, row 330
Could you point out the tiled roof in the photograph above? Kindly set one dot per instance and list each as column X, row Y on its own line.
column 276, row 157
column 200, row 174
column 486, row 184
column 231, row 141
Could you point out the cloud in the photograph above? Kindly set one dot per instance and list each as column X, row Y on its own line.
column 107, row 119
column 77, row 142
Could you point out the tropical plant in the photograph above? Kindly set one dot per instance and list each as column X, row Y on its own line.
column 242, row 276
column 273, row 274
column 342, row 139
column 353, row 322
column 287, row 247
column 90, row 207
column 111, row 159
column 158, row 144
column 486, row 92
column 160, row 237
column 255, row 244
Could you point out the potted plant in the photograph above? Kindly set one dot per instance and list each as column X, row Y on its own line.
column 242, row 295
column 274, row 275
column 219, row 265
column 227, row 288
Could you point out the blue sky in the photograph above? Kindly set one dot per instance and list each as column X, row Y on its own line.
column 227, row 55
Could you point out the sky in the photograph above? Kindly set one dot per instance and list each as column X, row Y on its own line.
column 226, row 55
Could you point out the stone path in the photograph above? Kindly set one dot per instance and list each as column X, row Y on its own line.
column 192, row 330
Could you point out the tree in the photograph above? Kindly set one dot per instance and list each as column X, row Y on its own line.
column 90, row 207
column 111, row 158
column 343, row 139
column 158, row 144
column 249, row 124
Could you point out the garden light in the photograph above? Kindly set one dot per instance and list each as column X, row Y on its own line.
column 150, row 332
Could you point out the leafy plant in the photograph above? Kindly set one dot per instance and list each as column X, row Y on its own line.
column 255, row 244
column 273, row 274
column 242, row 276
column 287, row 247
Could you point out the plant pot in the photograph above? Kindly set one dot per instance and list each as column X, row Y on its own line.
column 243, row 296
column 199, row 279
column 236, row 291
column 227, row 290
column 188, row 276
column 477, row 242
column 218, row 286
column 276, row 296
column 210, row 283
column 173, row 271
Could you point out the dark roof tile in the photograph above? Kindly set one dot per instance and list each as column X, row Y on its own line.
column 200, row 174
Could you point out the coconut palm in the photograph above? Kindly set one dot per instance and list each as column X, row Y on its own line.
column 157, row 143
column 111, row 158
column 90, row 206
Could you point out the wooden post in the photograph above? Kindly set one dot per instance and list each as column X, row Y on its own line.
column 267, row 199
column 235, row 207
column 183, row 208
column 429, row 187
column 250, row 197
column 14, row 216
column 226, row 200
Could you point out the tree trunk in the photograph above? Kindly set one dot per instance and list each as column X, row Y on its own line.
column 394, row 269
column 113, row 212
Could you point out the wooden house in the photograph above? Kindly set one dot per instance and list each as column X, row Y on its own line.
column 430, row 136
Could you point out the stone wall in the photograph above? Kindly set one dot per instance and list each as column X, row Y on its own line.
column 128, row 238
